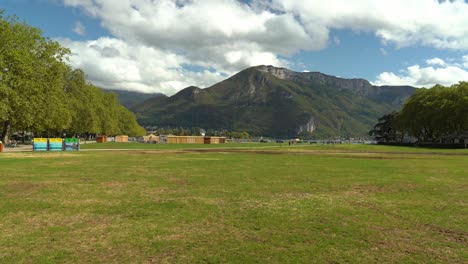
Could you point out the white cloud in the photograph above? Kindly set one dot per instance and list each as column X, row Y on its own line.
column 79, row 28
column 228, row 35
column 401, row 22
column 436, row 61
column 114, row 64
column 436, row 72
column 193, row 24
column 465, row 61
column 224, row 35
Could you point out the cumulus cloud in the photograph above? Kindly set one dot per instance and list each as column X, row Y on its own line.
column 439, row 24
column 193, row 24
column 114, row 64
column 79, row 28
column 226, row 36
column 436, row 71
column 436, row 61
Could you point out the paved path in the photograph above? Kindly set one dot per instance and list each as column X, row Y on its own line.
column 18, row 148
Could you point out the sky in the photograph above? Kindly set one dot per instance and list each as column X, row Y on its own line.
column 163, row 46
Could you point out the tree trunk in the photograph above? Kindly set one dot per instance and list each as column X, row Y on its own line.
column 5, row 130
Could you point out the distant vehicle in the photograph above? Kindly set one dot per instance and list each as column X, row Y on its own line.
column 279, row 141
column 263, row 141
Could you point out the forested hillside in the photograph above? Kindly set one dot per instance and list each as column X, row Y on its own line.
column 130, row 99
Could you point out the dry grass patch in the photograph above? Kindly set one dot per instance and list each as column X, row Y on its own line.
column 398, row 244
column 369, row 189
column 24, row 189
column 44, row 155
column 179, row 181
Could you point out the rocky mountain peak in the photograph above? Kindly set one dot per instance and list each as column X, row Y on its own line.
column 267, row 100
column 280, row 73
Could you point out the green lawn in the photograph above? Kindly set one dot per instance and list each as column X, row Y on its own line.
column 136, row 145
column 277, row 146
column 236, row 203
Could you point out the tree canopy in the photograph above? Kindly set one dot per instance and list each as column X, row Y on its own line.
column 40, row 92
column 427, row 115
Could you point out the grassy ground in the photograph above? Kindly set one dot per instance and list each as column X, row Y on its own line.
column 136, row 145
column 263, row 203
column 277, row 146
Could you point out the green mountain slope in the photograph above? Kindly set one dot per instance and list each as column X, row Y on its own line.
column 131, row 99
column 277, row 102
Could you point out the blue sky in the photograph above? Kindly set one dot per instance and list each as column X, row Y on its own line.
column 164, row 46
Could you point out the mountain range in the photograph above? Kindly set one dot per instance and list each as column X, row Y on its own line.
column 130, row 99
column 277, row 102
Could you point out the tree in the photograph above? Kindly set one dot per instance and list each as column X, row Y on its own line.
column 196, row 131
column 82, row 103
column 427, row 115
column 128, row 124
column 40, row 92
column 31, row 68
column 432, row 113
column 387, row 129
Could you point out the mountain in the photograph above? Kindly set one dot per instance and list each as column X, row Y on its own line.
column 277, row 102
column 131, row 99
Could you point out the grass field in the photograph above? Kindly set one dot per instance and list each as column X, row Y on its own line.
column 136, row 145
column 276, row 146
column 241, row 203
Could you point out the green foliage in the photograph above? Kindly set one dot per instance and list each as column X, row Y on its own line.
column 429, row 114
column 39, row 91
column 239, row 135
column 31, row 70
column 95, row 111
column 432, row 113
column 387, row 130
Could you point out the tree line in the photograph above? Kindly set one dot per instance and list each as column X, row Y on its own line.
column 427, row 116
column 197, row 131
column 41, row 93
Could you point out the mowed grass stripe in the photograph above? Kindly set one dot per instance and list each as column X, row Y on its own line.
column 133, row 206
